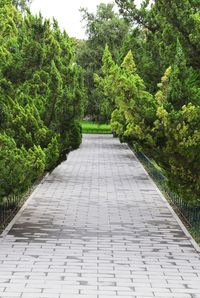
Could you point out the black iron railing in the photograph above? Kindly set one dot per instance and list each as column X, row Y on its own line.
column 8, row 207
column 190, row 213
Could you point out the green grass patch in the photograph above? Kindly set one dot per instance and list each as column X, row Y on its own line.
column 195, row 234
column 96, row 128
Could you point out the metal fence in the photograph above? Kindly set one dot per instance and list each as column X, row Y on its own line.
column 8, row 207
column 190, row 213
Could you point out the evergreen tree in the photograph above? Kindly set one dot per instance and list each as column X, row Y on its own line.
column 134, row 105
column 104, row 86
column 158, row 25
column 176, row 131
column 41, row 98
column 103, row 27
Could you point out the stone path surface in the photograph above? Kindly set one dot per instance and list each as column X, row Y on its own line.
column 97, row 227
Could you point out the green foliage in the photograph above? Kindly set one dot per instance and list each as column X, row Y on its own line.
column 92, row 127
column 103, row 84
column 104, row 27
column 118, row 123
column 157, row 26
column 52, row 154
column 42, row 94
column 195, row 234
column 165, row 39
column 22, row 4
column 177, row 131
column 18, row 167
column 41, row 97
column 136, row 108
column 165, row 126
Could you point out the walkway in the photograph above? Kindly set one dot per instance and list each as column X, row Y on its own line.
column 97, row 227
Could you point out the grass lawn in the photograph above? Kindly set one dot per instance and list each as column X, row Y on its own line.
column 92, row 127
column 195, row 234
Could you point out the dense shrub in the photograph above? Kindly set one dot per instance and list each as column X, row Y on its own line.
column 41, row 97
column 164, row 126
column 159, row 118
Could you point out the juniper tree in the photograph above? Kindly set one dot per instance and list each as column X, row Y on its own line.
column 104, row 86
column 103, row 27
column 39, row 120
column 135, row 105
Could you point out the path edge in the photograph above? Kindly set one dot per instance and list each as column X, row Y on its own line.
column 21, row 210
column 184, row 229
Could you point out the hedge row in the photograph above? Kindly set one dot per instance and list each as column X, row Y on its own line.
column 41, row 98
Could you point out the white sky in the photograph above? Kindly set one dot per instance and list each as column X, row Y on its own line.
column 67, row 13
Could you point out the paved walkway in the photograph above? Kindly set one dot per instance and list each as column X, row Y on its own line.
column 98, row 228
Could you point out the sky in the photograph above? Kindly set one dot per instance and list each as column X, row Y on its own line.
column 67, row 13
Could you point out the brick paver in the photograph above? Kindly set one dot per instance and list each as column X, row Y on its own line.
column 97, row 227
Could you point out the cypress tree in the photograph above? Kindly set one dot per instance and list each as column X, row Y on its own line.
column 41, row 98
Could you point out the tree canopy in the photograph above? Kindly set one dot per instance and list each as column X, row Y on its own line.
column 152, row 95
column 138, row 69
column 41, row 97
column 103, row 27
column 156, row 89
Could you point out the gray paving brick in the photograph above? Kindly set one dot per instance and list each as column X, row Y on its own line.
column 97, row 227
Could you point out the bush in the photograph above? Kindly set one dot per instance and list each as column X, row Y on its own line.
column 42, row 97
